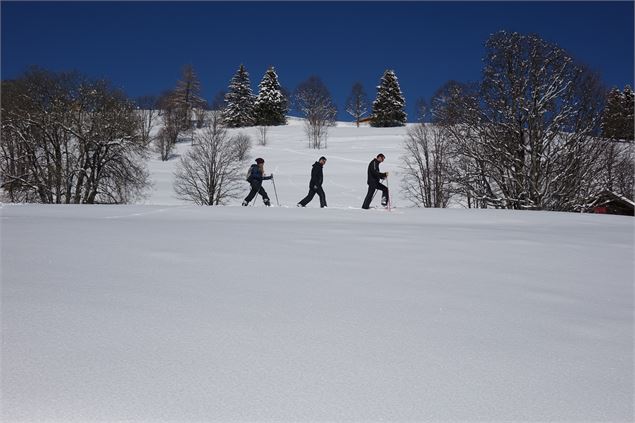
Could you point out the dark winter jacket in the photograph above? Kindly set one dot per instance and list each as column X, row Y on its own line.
column 316, row 175
column 255, row 175
column 374, row 175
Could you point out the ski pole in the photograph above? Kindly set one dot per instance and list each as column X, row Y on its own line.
column 274, row 190
column 388, row 188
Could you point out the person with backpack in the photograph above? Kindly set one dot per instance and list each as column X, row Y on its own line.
column 255, row 176
column 315, row 184
column 373, row 181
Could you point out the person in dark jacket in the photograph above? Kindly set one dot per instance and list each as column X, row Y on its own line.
column 374, row 176
column 315, row 184
column 255, row 178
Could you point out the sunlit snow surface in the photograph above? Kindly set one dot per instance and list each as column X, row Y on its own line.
column 169, row 312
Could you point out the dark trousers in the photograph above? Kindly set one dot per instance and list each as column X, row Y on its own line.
column 256, row 188
column 371, row 192
column 312, row 191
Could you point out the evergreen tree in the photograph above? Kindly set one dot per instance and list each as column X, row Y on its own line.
column 611, row 116
column 617, row 118
column 271, row 105
column 388, row 107
column 628, row 106
column 239, row 101
column 187, row 96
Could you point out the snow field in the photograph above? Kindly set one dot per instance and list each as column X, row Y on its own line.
column 172, row 312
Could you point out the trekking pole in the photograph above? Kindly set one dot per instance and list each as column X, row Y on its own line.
column 388, row 187
column 274, row 190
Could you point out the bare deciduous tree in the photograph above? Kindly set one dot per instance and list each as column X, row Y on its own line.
column 243, row 145
column 450, row 109
column 262, row 134
column 147, row 112
column 168, row 134
column 527, row 136
column 314, row 101
column 68, row 139
column 200, row 113
column 211, row 172
column 357, row 102
column 427, row 179
column 616, row 168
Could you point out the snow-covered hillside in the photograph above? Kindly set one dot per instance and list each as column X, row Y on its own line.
column 287, row 156
column 173, row 312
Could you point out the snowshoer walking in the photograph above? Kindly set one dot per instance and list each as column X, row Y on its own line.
column 255, row 177
column 315, row 184
column 374, row 177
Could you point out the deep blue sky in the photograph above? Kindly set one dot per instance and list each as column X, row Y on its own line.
column 142, row 46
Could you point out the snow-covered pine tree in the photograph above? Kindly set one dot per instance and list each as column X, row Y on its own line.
column 388, row 107
column 239, row 101
column 271, row 105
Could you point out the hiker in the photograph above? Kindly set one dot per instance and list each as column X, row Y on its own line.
column 374, row 176
column 255, row 177
column 315, row 184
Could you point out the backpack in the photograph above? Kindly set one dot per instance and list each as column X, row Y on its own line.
column 250, row 172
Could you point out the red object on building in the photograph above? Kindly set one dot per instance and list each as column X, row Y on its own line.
column 608, row 202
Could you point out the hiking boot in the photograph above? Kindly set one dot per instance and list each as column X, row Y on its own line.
column 245, row 203
column 266, row 201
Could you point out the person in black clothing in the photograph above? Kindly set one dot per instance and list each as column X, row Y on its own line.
column 255, row 178
column 315, row 184
column 374, row 176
